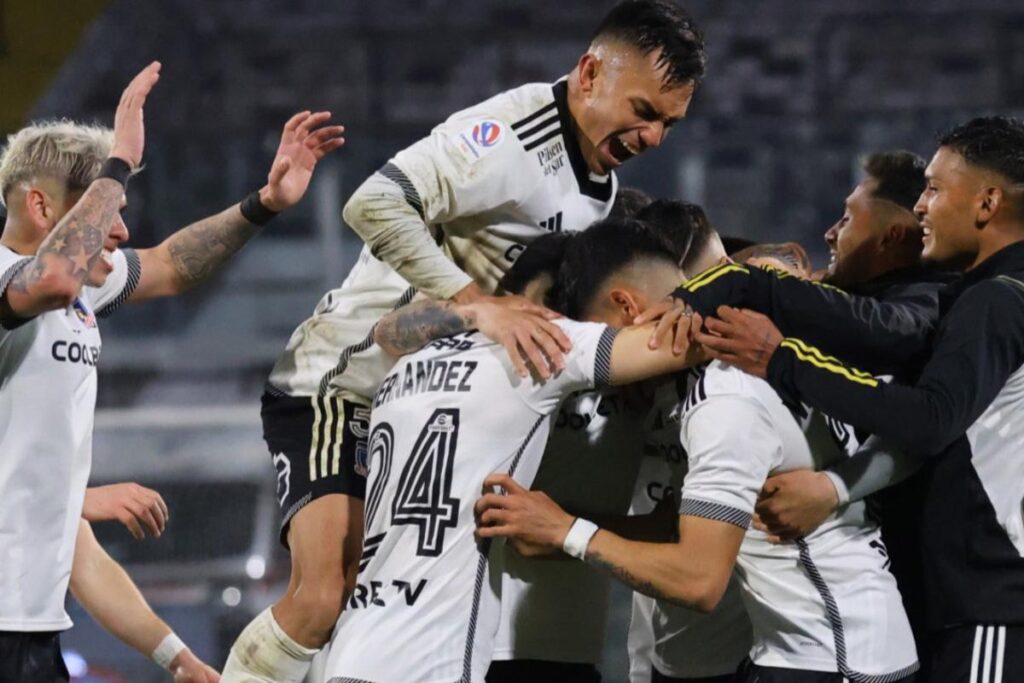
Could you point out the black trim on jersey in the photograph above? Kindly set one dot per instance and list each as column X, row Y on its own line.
column 349, row 351
column 694, row 507
column 835, row 621
column 370, row 547
column 5, row 280
column 132, row 281
column 595, row 190
column 349, row 680
column 397, row 176
column 535, row 115
column 603, row 358
column 485, row 548
column 530, row 132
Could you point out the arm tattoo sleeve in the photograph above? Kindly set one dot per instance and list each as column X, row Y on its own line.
column 75, row 243
column 199, row 250
column 412, row 327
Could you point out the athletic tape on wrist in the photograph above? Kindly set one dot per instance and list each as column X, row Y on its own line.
column 116, row 169
column 254, row 211
column 169, row 648
column 578, row 538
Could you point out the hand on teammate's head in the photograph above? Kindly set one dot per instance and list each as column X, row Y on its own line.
column 140, row 509
column 129, row 131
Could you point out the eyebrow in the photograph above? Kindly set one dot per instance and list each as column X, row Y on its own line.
column 649, row 110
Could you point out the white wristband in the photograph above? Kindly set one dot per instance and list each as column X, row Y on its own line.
column 578, row 538
column 169, row 648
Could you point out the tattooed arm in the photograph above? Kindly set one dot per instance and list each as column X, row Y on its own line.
column 194, row 253
column 53, row 277
column 693, row 571
column 522, row 327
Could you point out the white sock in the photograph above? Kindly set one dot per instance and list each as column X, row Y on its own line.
column 264, row 653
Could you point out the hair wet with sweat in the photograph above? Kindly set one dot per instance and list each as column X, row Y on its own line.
column 598, row 253
column 67, row 151
column 898, row 176
column 659, row 26
column 683, row 225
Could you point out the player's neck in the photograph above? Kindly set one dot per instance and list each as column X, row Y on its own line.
column 14, row 238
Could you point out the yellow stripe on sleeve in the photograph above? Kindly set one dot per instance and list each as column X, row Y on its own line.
column 713, row 274
column 811, row 355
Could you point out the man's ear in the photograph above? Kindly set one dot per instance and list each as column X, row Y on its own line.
column 893, row 235
column 625, row 303
column 990, row 200
column 40, row 209
column 588, row 67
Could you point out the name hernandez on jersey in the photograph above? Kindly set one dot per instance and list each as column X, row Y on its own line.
column 483, row 185
column 827, row 602
column 425, row 608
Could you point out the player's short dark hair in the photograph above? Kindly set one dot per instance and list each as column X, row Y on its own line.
column 542, row 257
column 683, row 225
column 899, row 175
column 995, row 143
column 659, row 25
column 628, row 202
column 599, row 252
column 733, row 245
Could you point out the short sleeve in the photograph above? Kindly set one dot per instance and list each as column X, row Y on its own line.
column 731, row 447
column 587, row 365
column 11, row 264
column 465, row 166
column 119, row 285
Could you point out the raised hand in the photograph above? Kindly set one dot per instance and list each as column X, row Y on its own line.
column 302, row 146
column 129, row 131
column 138, row 508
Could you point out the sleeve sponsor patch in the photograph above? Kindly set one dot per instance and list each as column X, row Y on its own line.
column 480, row 139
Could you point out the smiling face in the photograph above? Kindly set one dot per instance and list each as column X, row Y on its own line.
column 948, row 208
column 852, row 241
column 621, row 108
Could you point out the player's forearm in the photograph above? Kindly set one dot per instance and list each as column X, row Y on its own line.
column 63, row 261
column 649, row 528
column 412, row 327
column 381, row 214
column 199, row 250
column 661, row 570
column 109, row 595
column 875, row 466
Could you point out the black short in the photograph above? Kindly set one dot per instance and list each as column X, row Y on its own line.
column 752, row 673
column 540, row 671
column 318, row 447
column 31, row 657
column 976, row 653
column 658, row 677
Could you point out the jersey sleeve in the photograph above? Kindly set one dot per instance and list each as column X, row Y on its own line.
column 587, row 365
column 882, row 336
column 119, row 285
column 980, row 343
column 10, row 265
column 466, row 166
column 731, row 446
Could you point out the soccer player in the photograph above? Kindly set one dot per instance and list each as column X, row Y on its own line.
column 961, row 413
column 447, row 217
column 60, row 269
column 425, row 606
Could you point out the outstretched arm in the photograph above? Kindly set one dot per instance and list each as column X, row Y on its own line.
column 108, row 594
column 197, row 251
column 53, row 277
column 522, row 327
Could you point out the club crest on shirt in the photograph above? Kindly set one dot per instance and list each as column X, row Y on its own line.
column 83, row 313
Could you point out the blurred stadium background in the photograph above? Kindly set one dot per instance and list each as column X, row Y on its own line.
column 796, row 91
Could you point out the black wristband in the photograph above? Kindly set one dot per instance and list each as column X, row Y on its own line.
column 254, row 211
column 116, row 169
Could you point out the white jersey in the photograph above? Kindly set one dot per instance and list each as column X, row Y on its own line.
column 47, row 401
column 487, row 182
column 557, row 611
column 825, row 603
column 425, row 607
column 679, row 642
